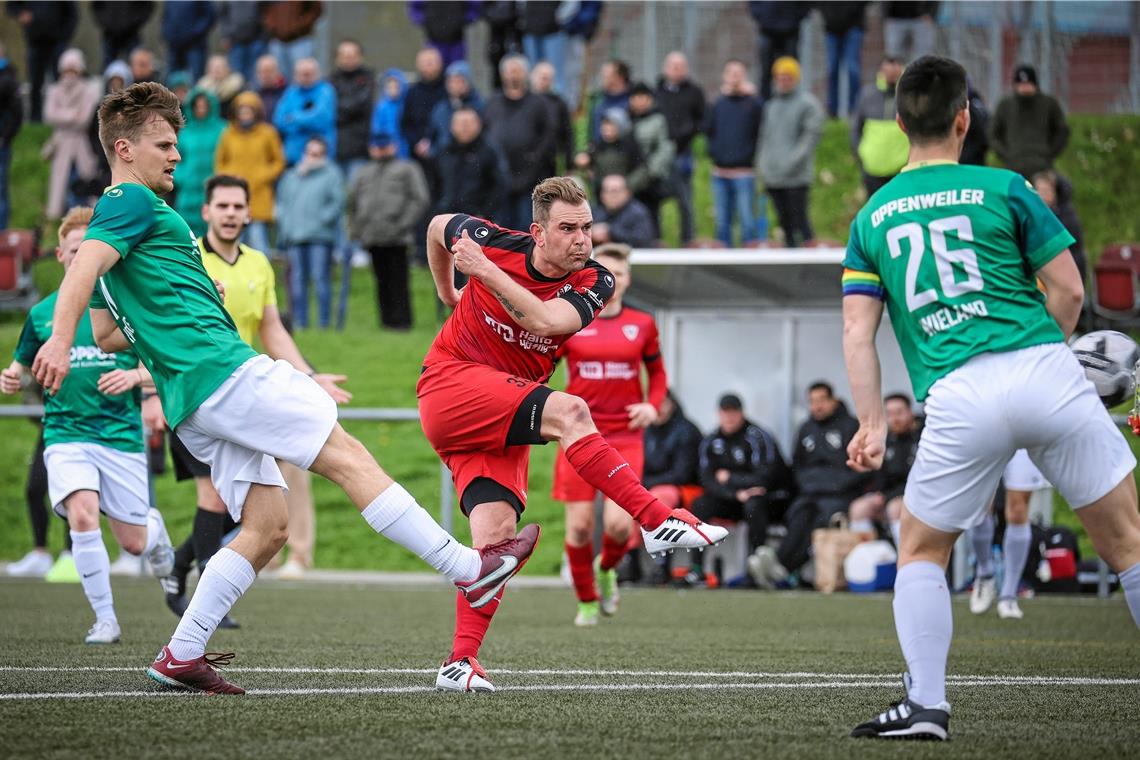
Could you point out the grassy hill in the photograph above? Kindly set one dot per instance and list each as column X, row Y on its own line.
column 382, row 366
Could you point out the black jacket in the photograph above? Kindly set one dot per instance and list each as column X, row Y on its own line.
column 472, row 178
column 838, row 17
column 778, row 16
column 523, row 130
column 539, row 19
column 977, row 142
column 51, row 21
column 563, row 128
column 121, row 21
column 751, row 455
column 415, row 121
column 909, row 10
column 820, row 460
column 1067, row 213
column 898, row 458
column 11, row 109
column 671, row 452
column 355, row 96
column 684, row 109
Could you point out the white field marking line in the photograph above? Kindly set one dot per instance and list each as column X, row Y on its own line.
column 380, row 690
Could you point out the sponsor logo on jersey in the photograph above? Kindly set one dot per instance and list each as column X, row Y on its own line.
column 506, row 332
column 565, row 289
column 630, row 332
column 89, row 356
column 595, row 370
column 115, row 192
column 525, row 339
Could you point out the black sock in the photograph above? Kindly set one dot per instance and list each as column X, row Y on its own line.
column 207, row 535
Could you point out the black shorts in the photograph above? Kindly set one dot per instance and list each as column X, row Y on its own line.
column 186, row 466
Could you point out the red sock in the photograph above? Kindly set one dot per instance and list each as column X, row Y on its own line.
column 471, row 626
column 603, row 468
column 612, row 551
column 582, row 571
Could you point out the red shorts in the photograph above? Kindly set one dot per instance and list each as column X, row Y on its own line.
column 569, row 486
column 466, row 410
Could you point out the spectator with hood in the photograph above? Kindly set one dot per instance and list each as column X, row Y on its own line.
column 389, row 110
column 250, row 148
column 69, row 109
column 461, row 93
column 185, row 28
column 1029, row 130
column 614, row 93
column 306, row 109
column 615, row 152
column 652, row 135
column 197, row 142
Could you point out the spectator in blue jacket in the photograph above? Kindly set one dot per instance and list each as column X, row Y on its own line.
column 306, row 109
column 185, row 27
column 390, row 108
column 732, row 129
column 461, row 93
column 310, row 201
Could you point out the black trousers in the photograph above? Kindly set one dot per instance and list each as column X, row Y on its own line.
column 758, row 511
column 36, row 492
column 872, row 184
column 805, row 515
column 43, row 61
column 390, row 265
column 792, row 210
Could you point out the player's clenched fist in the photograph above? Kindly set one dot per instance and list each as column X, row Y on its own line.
column 469, row 256
column 53, row 362
column 10, row 380
column 865, row 452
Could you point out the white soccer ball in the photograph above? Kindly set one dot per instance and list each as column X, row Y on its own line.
column 1108, row 357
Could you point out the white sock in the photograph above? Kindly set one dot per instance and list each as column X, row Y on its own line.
column 982, row 539
column 1014, row 553
column 924, row 626
column 227, row 576
column 862, row 526
column 896, row 525
column 1130, row 582
column 395, row 515
column 94, row 567
column 155, row 530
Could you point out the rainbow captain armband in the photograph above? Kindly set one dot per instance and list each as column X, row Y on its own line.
column 857, row 283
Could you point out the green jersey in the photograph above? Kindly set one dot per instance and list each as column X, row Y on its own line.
column 953, row 251
column 79, row 412
column 163, row 300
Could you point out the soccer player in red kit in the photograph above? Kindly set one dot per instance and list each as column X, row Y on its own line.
column 482, row 394
column 603, row 362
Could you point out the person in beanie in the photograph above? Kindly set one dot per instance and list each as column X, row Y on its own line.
column 1029, row 130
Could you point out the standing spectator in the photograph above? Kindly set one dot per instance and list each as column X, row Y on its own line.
column 185, row 28
column 390, row 109
column 672, row 446
column 289, row 24
column 651, row 132
column 977, row 140
column 519, row 123
column 270, row 85
column 616, row 152
column 444, row 22
column 885, row 499
column 121, row 23
column 421, row 100
column 386, row 199
column 880, row 147
column 243, row 36
column 472, row 171
column 355, row 86
column 1029, row 130
column 843, row 33
column 614, row 93
column 1057, row 192
column 87, row 191
column 542, row 36
column 542, row 85
column 778, row 23
column 142, row 66
column 180, row 83
column 198, row 144
column 48, row 27
column 503, row 37
column 11, row 118
column 250, row 148
column 733, row 125
column 69, row 107
column 824, row 482
column 741, row 469
column 310, row 200
column 683, row 104
column 306, row 109
column 791, row 125
column 461, row 93
column 579, row 21
column 621, row 217
column 222, row 81
column 908, row 28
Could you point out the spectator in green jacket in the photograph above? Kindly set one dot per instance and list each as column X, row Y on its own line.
column 879, row 145
column 651, row 132
column 790, row 128
column 197, row 142
column 1028, row 131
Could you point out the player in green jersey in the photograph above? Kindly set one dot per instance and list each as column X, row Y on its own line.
column 93, row 448
column 956, row 253
column 235, row 410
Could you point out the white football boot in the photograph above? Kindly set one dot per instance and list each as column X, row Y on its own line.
column 1008, row 609
column 103, row 632
column 682, row 531
column 34, row 564
column 983, row 595
column 465, row 675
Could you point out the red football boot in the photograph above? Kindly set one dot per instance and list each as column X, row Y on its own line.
column 501, row 562
column 193, row 675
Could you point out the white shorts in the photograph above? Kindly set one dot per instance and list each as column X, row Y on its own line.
column 1036, row 399
column 1022, row 475
column 265, row 411
column 119, row 477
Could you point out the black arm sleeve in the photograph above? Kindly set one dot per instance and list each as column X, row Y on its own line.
column 590, row 294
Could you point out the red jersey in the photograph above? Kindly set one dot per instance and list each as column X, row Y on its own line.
column 603, row 362
column 482, row 331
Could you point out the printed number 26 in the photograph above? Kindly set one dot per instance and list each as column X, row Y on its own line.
column 945, row 259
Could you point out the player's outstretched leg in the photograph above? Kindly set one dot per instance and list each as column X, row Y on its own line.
column 566, row 419
column 1113, row 524
column 93, row 564
column 924, row 626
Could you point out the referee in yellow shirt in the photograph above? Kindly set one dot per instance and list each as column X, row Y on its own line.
column 251, row 300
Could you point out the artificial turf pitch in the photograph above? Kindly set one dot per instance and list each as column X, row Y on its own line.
column 348, row 670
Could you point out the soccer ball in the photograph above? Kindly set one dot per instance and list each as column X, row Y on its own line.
column 1108, row 358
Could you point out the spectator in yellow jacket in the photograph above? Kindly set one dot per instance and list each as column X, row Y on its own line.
column 250, row 148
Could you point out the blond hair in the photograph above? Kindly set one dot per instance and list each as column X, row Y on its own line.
column 76, row 217
column 616, row 251
column 551, row 190
column 122, row 115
